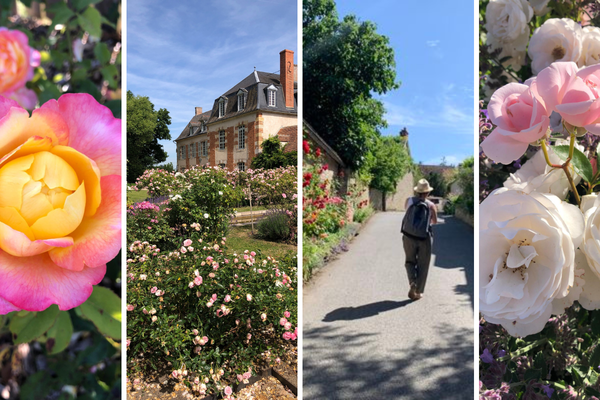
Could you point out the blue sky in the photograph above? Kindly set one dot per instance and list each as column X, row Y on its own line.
column 434, row 61
column 187, row 53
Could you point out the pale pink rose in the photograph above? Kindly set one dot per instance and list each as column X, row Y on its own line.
column 214, row 297
column 17, row 61
column 247, row 375
column 227, row 299
column 263, row 316
column 209, row 304
column 282, row 321
column 204, row 340
column 240, row 378
column 287, row 326
column 228, row 391
column 249, row 297
column 198, row 280
column 520, row 119
column 153, row 290
column 191, row 285
column 572, row 93
column 195, row 331
column 287, row 314
column 130, row 307
column 187, row 242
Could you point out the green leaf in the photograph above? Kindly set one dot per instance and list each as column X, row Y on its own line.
column 110, row 73
column 596, row 322
column 594, row 361
column 81, row 4
column 103, row 308
column 62, row 14
column 581, row 164
column 26, row 3
column 90, row 21
column 115, row 107
column 60, row 334
column 33, row 325
column 102, row 53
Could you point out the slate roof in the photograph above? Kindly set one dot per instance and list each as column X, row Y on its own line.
column 256, row 85
column 195, row 122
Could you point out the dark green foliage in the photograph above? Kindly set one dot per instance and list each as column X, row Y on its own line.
column 145, row 127
column 440, row 186
column 273, row 156
column 345, row 62
column 274, row 227
column 391, row 162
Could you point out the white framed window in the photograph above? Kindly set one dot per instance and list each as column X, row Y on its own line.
column 203, row 126
column 181, row 151
column 222, row 165
column 221, row 140
column 272, row 96
column 222, row 104
column 193, row 150
column 241, row 166
column 242, row 137
column 203, row 148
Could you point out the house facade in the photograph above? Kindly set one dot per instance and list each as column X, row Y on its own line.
column 230, row 134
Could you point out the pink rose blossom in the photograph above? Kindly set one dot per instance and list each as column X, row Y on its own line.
column 153, row 290
column 130, row 307
column 287, row 314
column 227, row 299
column 572, row 93
column 228, row 391
column 187, row 242
column 520, row 119
column 198, row 281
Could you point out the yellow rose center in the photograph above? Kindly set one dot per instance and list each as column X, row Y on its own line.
column 41, row 196
column 558, row 53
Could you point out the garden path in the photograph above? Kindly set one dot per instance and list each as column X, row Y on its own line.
column 364, row 339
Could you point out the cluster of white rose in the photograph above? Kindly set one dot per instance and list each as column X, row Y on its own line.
column 558, row 39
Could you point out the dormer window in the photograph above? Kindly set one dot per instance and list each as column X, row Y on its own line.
column 203, row 126
column 222, row 104
column 272, row 96
column 241, row 99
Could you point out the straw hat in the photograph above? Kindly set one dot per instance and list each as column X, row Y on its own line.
column 423, row 186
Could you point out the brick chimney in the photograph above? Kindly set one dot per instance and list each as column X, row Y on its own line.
column 286, row 71
column 198, row 110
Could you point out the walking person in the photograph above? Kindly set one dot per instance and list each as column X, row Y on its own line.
column 420, row 214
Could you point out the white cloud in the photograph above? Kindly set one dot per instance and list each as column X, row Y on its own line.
column 451, row 159
column 432, row 43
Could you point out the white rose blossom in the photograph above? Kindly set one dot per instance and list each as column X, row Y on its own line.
column 527, row 246
column 507, row 28
column 590, row 47
column 540, row 7
column 536, row 175
column 558, row 39
column 590, row 297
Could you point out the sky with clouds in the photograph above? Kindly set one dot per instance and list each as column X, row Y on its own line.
column 434, row 62
column 187, row 53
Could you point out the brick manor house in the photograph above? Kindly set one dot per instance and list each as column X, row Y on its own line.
column 262, row 105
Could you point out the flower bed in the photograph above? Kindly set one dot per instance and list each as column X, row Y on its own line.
column 210, row 315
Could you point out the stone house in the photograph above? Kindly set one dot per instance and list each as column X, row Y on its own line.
column 260, row 106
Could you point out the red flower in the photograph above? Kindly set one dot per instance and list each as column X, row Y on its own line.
column 318, row 153
column 306, row 147
column 325, row 167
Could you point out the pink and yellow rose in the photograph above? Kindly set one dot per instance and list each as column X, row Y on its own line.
column 17, row 61
column 60, row 201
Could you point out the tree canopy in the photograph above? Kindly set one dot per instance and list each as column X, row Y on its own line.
column 145, row 127
column 273, row 156
column 345, row 62
column 391, row 162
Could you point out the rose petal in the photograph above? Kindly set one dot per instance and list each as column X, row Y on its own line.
column 35, row 283
column 97, row 239
column 503, row 149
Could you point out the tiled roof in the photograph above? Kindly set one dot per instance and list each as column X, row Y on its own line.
column 195, row 121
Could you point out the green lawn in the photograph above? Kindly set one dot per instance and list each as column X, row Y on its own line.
column 137, row 195
column 254, row 208
column 240, row 239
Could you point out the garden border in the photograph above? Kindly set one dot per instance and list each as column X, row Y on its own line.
column 264, row 374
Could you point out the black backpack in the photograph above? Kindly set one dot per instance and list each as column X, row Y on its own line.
column 416, row 221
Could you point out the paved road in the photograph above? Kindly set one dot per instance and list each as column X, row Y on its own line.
column 363, row 339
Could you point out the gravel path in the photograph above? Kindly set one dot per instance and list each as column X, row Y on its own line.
column 364, row 339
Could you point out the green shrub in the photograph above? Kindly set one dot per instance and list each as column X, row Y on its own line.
column 275, row 226
column 362, row 214
column 450, row 206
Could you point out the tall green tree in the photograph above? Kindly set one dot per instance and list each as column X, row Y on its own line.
column 145, row 127
column 391, row 162
column 273, row 156
column 345, row 62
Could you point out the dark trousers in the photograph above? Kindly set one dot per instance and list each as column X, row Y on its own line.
column 418, row 254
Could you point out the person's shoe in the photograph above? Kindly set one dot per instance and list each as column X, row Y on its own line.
column 412, row 292
column 418, row 296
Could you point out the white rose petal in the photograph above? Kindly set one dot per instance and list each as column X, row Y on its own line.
column 558, row 39
column 590, row 47
column 540, row 7
column 527, row 246
column 537, row 176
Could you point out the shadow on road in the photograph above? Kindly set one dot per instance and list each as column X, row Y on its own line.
column 366, row 311
column 453, row 248
column 339, row 375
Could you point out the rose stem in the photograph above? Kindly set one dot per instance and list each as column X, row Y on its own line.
column 565, row 166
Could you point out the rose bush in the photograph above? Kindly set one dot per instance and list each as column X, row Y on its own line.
column 209, row 314
column 60, row 201
column 17, row 61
